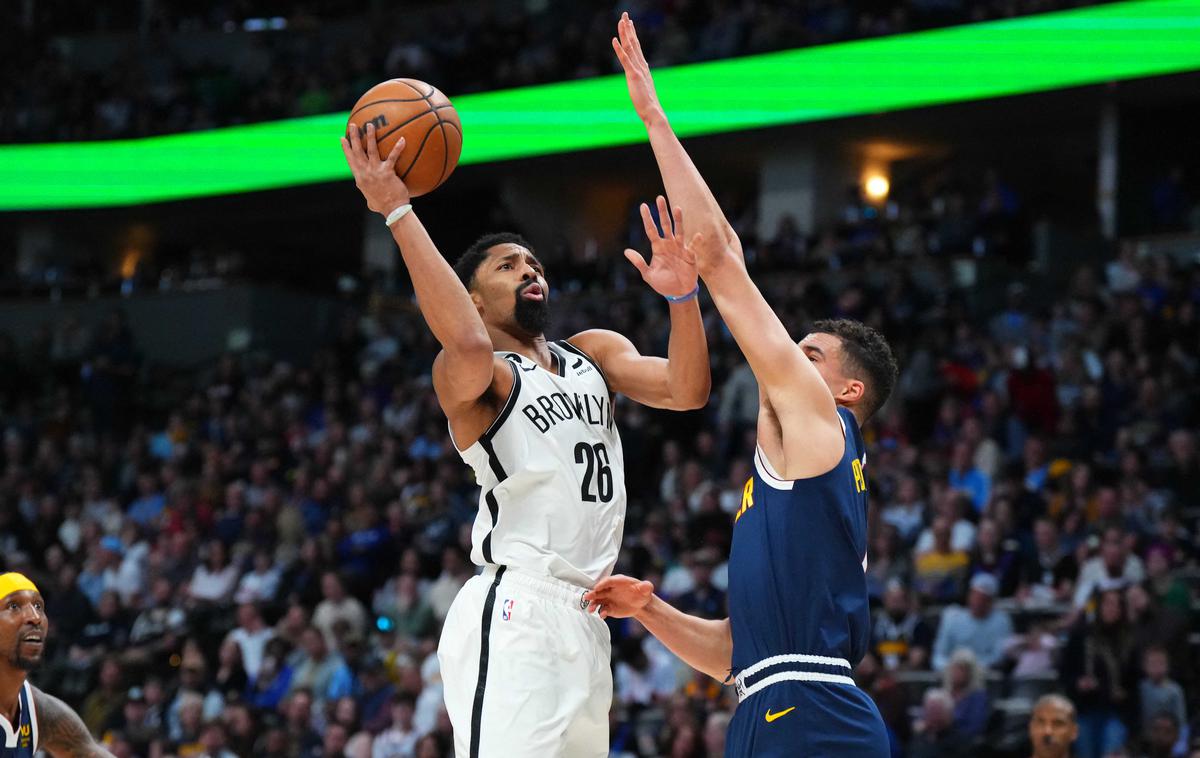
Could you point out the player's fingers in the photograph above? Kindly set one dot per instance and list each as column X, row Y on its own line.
column 355, row 139
column 664, row 217
column 648, row 222
column 622, row 58
column 677, row 221
column 394, row 155
column 346, row 152
column 372, row 144
column 645, row 587
column 638, row 261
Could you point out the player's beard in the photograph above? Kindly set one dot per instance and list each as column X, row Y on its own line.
column 18, row 661
column 533, row 316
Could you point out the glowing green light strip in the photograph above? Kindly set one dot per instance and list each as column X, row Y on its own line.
column 1030, row 54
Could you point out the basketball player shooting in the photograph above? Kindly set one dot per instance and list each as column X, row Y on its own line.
column 30, row 719
column 798, row 612
column 525, row 666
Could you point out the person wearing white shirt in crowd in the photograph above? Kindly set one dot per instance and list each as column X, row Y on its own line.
column 251, row 635
column 338, row 606
column 907, row 511
column 400, row 739
column 455, row 573
column 951, row 504
column 260, row 584
column 215, row 578
column 1115, row 568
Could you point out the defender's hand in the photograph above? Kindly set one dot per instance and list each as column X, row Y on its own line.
column 672, row 268
column 375, row 178
column 637, row 71
column 619, row 596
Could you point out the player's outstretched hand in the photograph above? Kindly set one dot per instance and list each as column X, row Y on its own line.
column 637, row 71
column 619, row 596
column 376, row 178
column 672, row 267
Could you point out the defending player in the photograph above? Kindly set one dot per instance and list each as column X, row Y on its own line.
column 525, row 667
column 31, row 720
column 798, row 606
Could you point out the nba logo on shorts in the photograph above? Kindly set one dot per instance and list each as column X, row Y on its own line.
column 506, row 610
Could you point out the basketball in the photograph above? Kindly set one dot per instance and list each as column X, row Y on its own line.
column 421, row 114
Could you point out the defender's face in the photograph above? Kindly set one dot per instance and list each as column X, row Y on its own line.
column 825, row 352
column 23, row 628
column 509, row 276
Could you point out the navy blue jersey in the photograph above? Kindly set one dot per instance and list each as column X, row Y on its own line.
column 21, row 739
column 797, row 568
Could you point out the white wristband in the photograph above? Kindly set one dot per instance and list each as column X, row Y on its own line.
column 398, row 214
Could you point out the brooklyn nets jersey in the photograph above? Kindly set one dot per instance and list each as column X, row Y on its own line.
column 551, row 471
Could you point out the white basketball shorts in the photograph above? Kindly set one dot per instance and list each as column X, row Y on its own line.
column 525, row 669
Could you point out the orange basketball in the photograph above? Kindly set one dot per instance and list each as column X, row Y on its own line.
column 421, row 114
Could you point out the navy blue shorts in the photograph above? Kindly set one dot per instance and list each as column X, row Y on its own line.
column 809, row 720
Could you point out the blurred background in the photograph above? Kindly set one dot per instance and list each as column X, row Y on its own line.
column 224, row 465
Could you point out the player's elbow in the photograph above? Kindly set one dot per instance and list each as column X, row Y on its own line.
column 470, row 344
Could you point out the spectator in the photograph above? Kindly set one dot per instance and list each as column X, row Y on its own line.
column 318, row 671
column 1048, row 573
column 964, row 477
column 899, row 635
column 941, row 571
column 935, row 736
column 251, row 636
column 399, row 740
column 1115, row 568
column 214, row 580
column 1052, row 727
column 979, row 627
column 1158, row 694
column 1162, row 737
column 888, row 561
column 1097, row 673
column 907, row 512
column 996, row 556
column 964, row 680
column 261, row 583
column 455, row 573
column 338, row 606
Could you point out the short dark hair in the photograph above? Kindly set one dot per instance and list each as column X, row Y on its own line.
column 468, row 263
column 868, row 352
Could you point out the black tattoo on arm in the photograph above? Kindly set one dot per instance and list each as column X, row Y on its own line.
column 61, row 732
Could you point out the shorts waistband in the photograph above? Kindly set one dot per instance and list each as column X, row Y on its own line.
column 791, row 668
column 547, row 587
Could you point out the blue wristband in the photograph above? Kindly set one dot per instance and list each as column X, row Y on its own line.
column 684, row 298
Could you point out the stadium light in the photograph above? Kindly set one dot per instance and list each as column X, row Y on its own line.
column 1031, row 54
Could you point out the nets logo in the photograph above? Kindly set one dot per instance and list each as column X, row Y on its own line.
column 506, row 610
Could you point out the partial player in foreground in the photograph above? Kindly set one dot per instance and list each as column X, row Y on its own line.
column 799, row 617
column 525, row 667
column 30, row 719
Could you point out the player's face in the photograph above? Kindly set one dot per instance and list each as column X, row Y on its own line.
column 825, row 352
column 23, row 628
column 1052, row 730
column 511, row 284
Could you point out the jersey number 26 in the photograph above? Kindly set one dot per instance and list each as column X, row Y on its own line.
column 595, row 458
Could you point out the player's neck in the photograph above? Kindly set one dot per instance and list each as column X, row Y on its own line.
column 11, row 681
column 535, row 349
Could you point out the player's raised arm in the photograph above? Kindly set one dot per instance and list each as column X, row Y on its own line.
column 792, row 387
column 61, row 731
column 683, row 380
column 684, row 185
column 704, row 644
column 447, row 307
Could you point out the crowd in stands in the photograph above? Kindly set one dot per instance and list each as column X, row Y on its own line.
column 327, row 54
column 259, row 563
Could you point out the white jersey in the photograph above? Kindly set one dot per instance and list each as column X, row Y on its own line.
column 552, row 473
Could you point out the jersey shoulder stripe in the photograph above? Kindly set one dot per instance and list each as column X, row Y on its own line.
column 579, row 354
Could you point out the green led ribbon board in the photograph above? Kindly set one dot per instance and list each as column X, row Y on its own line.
column 1030, row 54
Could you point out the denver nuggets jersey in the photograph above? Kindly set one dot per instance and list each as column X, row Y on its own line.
column 797, row 567
column 551, row 472
column 21, row 739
